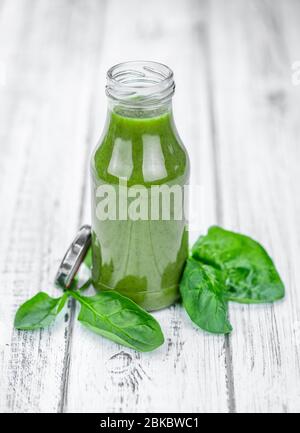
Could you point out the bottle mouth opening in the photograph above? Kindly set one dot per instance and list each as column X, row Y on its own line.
column 140, row 83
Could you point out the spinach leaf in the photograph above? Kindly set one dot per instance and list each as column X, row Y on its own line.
column 119, row 319
column 88, row 258
column 248, row 272
column 201, row 288
column 39, row 311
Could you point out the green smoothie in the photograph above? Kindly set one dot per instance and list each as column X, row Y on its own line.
column 142, row 256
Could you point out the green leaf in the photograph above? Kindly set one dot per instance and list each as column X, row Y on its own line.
column 248, row 272
column 39, row 311
column 119, row 319
column 201, row 288
column 88, row 258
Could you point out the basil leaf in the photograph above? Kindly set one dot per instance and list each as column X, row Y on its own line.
column 39, row 311
column 248, row 272
column 201, row 288
column 119, row 319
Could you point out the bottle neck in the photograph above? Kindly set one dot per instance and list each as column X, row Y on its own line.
column 141, row 112
column 140, row 89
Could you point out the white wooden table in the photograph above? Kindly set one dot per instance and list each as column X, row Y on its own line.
column 237, row 110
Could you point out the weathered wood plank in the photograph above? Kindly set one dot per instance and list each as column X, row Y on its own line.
column 189, row 372
column 258, row 154
column 49, row 51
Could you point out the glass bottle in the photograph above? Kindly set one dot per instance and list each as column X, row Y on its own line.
column 139, row 170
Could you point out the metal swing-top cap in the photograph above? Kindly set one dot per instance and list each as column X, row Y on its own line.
column 74, row 257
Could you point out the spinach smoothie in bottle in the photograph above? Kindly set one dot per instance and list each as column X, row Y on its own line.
column 140, row 170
